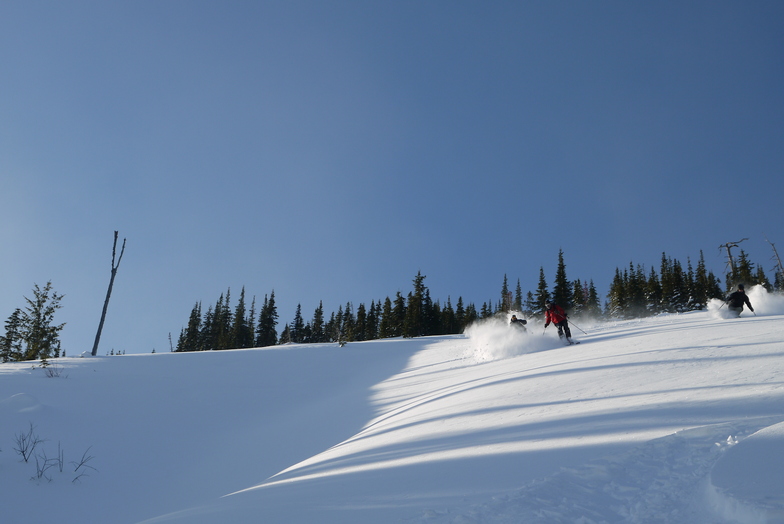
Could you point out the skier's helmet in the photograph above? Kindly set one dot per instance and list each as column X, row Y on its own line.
column 741, row 287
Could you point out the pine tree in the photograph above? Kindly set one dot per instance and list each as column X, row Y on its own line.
column 562, row 288
column 191, row 336
column 360, row 328
column 385, row 326
column 518, row 302
column 542, row 294
column 11, row 343
column 460, row 316
column 699, row 295
column 579, row 298
column 448, row 319
column 317, row 332
column 371, row 325
column 653, row 293
column 266, row 329
column 616, row 307
column 398, row 315
column 416, row 315
column 506, row 296
column 593, row 306
column 241, row 332
column 41, row 337
column 531, row 306
column 297, row 329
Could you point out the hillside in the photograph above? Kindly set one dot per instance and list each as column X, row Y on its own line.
column 677, row 418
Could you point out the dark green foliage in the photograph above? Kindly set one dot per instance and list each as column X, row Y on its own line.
column 266, row 329
column 30, row 333
column 542, row 293
column 562, row 288
column 11, row 343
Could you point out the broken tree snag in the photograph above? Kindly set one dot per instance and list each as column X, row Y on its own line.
column 109, row 291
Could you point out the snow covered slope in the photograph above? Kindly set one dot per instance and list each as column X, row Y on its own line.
column 675, row 419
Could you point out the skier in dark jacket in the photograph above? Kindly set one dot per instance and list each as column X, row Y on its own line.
column 736, row 300
column 555, row 314
column 518, row 322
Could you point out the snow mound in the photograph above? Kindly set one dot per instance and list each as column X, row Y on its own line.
column 746, row 484
column 20, row 403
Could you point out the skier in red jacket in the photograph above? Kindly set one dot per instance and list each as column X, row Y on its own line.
column 555, row 314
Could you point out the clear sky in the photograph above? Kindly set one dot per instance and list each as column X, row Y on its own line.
column 330, row 150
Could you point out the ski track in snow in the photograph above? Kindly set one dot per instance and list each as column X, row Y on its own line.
column 666, row 480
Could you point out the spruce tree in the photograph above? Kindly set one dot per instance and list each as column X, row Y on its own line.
column 579, row 298
column 562, row 288
column 594, row 306
column 40, row 335
column 542, row 294
column 11, row 343
column 414, row 323
column 385, row 326
column 241, row 332
column 518, row 302
column 460, row 316
column 266, row 329
column 616, row 307
column 506, row 296
column 317, row 325
column 360, row 328
column 191, row 336
column 448, row 319
column 297, row 329
column 398, row 315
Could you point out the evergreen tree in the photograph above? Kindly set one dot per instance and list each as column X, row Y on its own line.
column 266, row 329
column 41, row 337
column 317, row 332
column 448, row 319
column 506, row 297
column 653, row 293
column 471, row 315
column 190, row 339
column 371, row 326
column 349, row 324
column 542, row 294
column 593, row 307
column 617, row 296
column 579, row 298
column 562, row 288
column 460, row 316
column 385, row 326
column 398, row 315
column 297, row 328
column 241, row 331
column 415, row 319
column 531, row 306
column 744, row 272
column 635, row 286
column 11, row 344
column 208, row 339
column 701, row 285
column 360, row 329
column 518, row 302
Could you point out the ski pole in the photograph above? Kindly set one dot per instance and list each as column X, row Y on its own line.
column 578, row 327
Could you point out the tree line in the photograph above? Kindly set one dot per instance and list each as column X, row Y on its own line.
column 635, row 291
column 32, row 334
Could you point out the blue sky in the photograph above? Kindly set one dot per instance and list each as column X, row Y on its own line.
column 330, row 150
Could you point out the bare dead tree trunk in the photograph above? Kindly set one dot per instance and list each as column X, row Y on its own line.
column 776, row 257
column 109, row 291
column 728, row 246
